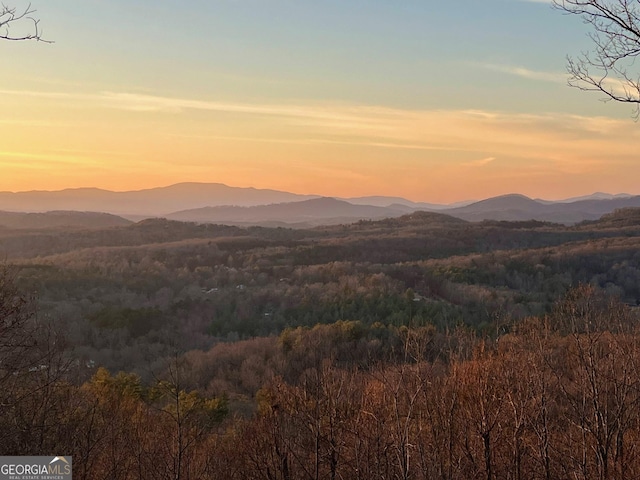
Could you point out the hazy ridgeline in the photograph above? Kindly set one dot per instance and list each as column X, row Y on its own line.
column 418, row 347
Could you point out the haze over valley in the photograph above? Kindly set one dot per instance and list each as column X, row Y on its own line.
column 218, row 203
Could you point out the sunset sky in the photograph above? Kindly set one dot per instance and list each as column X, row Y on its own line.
column 434, row 101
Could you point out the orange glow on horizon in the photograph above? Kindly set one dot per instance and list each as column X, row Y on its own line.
column 133, row 142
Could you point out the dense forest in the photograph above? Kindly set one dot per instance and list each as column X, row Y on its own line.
column 417, row 347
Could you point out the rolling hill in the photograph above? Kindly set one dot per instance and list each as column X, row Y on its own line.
column 319, row 211
column 60, row 219
column 520, row 208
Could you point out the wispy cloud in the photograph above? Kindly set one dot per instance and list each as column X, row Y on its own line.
column 614, row 85
column 49, row 95
column 479, row 163
column 524, row 72
column 41, row 159
column 561, row 138
column 35, row 123
column 351, row 117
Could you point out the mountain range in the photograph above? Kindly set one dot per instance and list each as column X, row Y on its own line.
column 306, row 213
column 150, row 202
column 219, row 203
column 519, row 207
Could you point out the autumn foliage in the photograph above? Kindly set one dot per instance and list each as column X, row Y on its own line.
column 556, row 397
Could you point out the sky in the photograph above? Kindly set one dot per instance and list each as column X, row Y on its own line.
column 430, row 100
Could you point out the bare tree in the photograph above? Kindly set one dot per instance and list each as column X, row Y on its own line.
column 13, row 17
column 609, row 66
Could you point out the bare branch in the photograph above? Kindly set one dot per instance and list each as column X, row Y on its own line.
column 609, row 68
column 12, row 17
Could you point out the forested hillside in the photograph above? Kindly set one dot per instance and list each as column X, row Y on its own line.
column 417, row 347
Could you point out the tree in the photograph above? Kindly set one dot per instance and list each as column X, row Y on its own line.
column 12, row 17
column 608, row 67
column 32, row 363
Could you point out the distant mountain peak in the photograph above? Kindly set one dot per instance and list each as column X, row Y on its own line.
column 508, row 201
column 147, row 202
